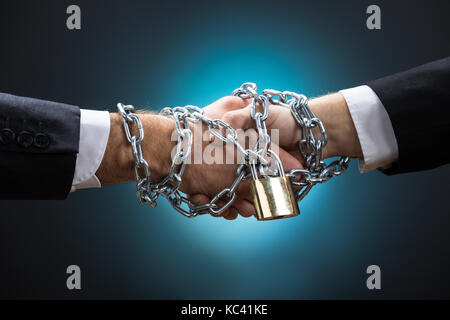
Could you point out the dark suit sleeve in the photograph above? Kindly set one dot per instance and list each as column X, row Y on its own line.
column 418, row 104
column 38, row 148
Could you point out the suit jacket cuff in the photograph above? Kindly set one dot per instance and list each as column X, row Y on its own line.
column 94, row 133
column 373, row 126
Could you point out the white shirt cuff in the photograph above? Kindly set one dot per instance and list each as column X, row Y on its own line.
column 373, row 126
column 94, row 133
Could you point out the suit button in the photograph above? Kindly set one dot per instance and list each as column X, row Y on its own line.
column 41, row 140
column 25, row 139
column 6, row 136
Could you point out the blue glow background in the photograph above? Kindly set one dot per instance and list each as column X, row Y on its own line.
column 175, row 53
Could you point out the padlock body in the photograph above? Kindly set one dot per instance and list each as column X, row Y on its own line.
column 273, row 198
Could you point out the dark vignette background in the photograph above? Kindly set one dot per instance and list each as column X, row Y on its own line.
column 172, row 53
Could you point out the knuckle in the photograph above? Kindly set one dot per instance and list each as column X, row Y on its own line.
column 232, row 118
column 232, row 101
column 226, row 100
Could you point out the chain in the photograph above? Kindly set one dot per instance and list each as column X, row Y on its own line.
column 317, row 171
column 148, row 192
column 141, row 167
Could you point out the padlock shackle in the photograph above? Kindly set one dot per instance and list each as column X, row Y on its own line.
column 272, row 155
column 253, row 171
column 278, row 161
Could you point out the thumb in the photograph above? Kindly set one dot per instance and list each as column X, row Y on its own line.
column 289, row 161
column 240, row 118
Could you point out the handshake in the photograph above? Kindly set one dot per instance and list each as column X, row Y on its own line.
column 225, row 157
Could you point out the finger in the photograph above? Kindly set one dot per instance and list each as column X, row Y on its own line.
column 231, row 214
column 289, row 161
column 227, row 213
column 244, row 207
column 247, row 197
column 240, row 118
column 234, row 102
column 198, row 199
column 298, row 155
column 244, row 194
column 228, row 103
column 219, row 204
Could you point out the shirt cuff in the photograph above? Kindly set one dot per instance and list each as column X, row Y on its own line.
column 94, row 133
column 373, row 126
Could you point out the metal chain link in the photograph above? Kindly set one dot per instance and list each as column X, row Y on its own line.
column 141, row 167
column 317, row 171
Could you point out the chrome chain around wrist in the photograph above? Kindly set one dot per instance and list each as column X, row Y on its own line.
column 303, row 179
column 316, row 171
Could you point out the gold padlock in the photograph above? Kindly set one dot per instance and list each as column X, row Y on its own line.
column 273, row 197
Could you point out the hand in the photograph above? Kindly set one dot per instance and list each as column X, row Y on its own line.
column 203, row 181
column 215, row 177
column 200, row 181
column 331, row 109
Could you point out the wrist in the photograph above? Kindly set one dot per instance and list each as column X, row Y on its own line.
column 118, row 163
column 158, row 145
column 342, row 138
